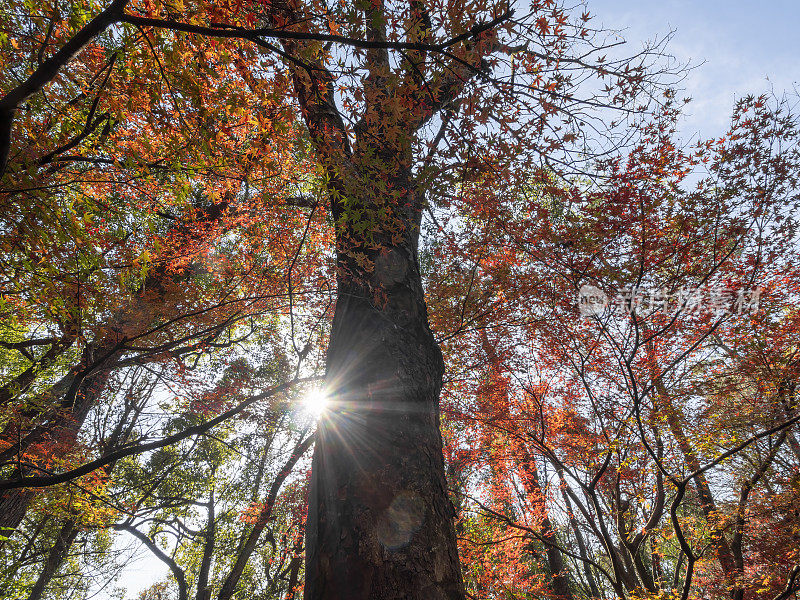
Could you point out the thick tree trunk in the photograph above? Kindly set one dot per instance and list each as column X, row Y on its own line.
column 380, row 521
column 63, row 427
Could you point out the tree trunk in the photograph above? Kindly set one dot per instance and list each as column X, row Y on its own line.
column 380, row 521
column 203, row 589
column 587, row 567
column 706, row 498
column 294, row 567
column 250, row 544
column 13, row 507
column 63, row 427
column 55, row 558
column 559, row 574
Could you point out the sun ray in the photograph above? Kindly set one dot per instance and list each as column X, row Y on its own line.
column 315, row 402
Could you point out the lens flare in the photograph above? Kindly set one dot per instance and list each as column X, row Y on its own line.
column 315, row 402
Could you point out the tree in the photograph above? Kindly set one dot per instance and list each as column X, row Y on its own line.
column 191, row 219
column 648, row 432
column 122, row 248
column 378, row 474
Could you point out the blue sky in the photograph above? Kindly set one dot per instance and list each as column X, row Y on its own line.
column 747, row 47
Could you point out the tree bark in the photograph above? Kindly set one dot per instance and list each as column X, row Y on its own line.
column 380, row 521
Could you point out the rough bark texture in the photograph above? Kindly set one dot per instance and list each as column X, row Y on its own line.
column 380, row 521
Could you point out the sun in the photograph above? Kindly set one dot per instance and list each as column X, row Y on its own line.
column 315, row 402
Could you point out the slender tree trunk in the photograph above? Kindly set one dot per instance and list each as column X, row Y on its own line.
column 559, row 580
column 655, row 559
column 555, row 563
column 630, row 549
column 6, row 122
column 55, row 557
column 177, row 572
column 203, row 589
column 380, row 521
column 70, row 529
column 787, row 399
column 251, row 542
column 294, row 566
column 529, row 469
column 707, row 503
column 587, row 568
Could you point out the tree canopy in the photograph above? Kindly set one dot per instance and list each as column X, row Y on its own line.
column 541, row 347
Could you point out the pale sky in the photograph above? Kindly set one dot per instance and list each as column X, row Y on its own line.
column 747, row 47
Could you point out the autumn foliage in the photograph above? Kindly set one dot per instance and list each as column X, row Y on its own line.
column 188, row 188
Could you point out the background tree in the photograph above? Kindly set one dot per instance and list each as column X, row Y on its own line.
column 636, row 416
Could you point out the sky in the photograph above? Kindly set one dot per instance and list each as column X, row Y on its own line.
column 737, row 47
